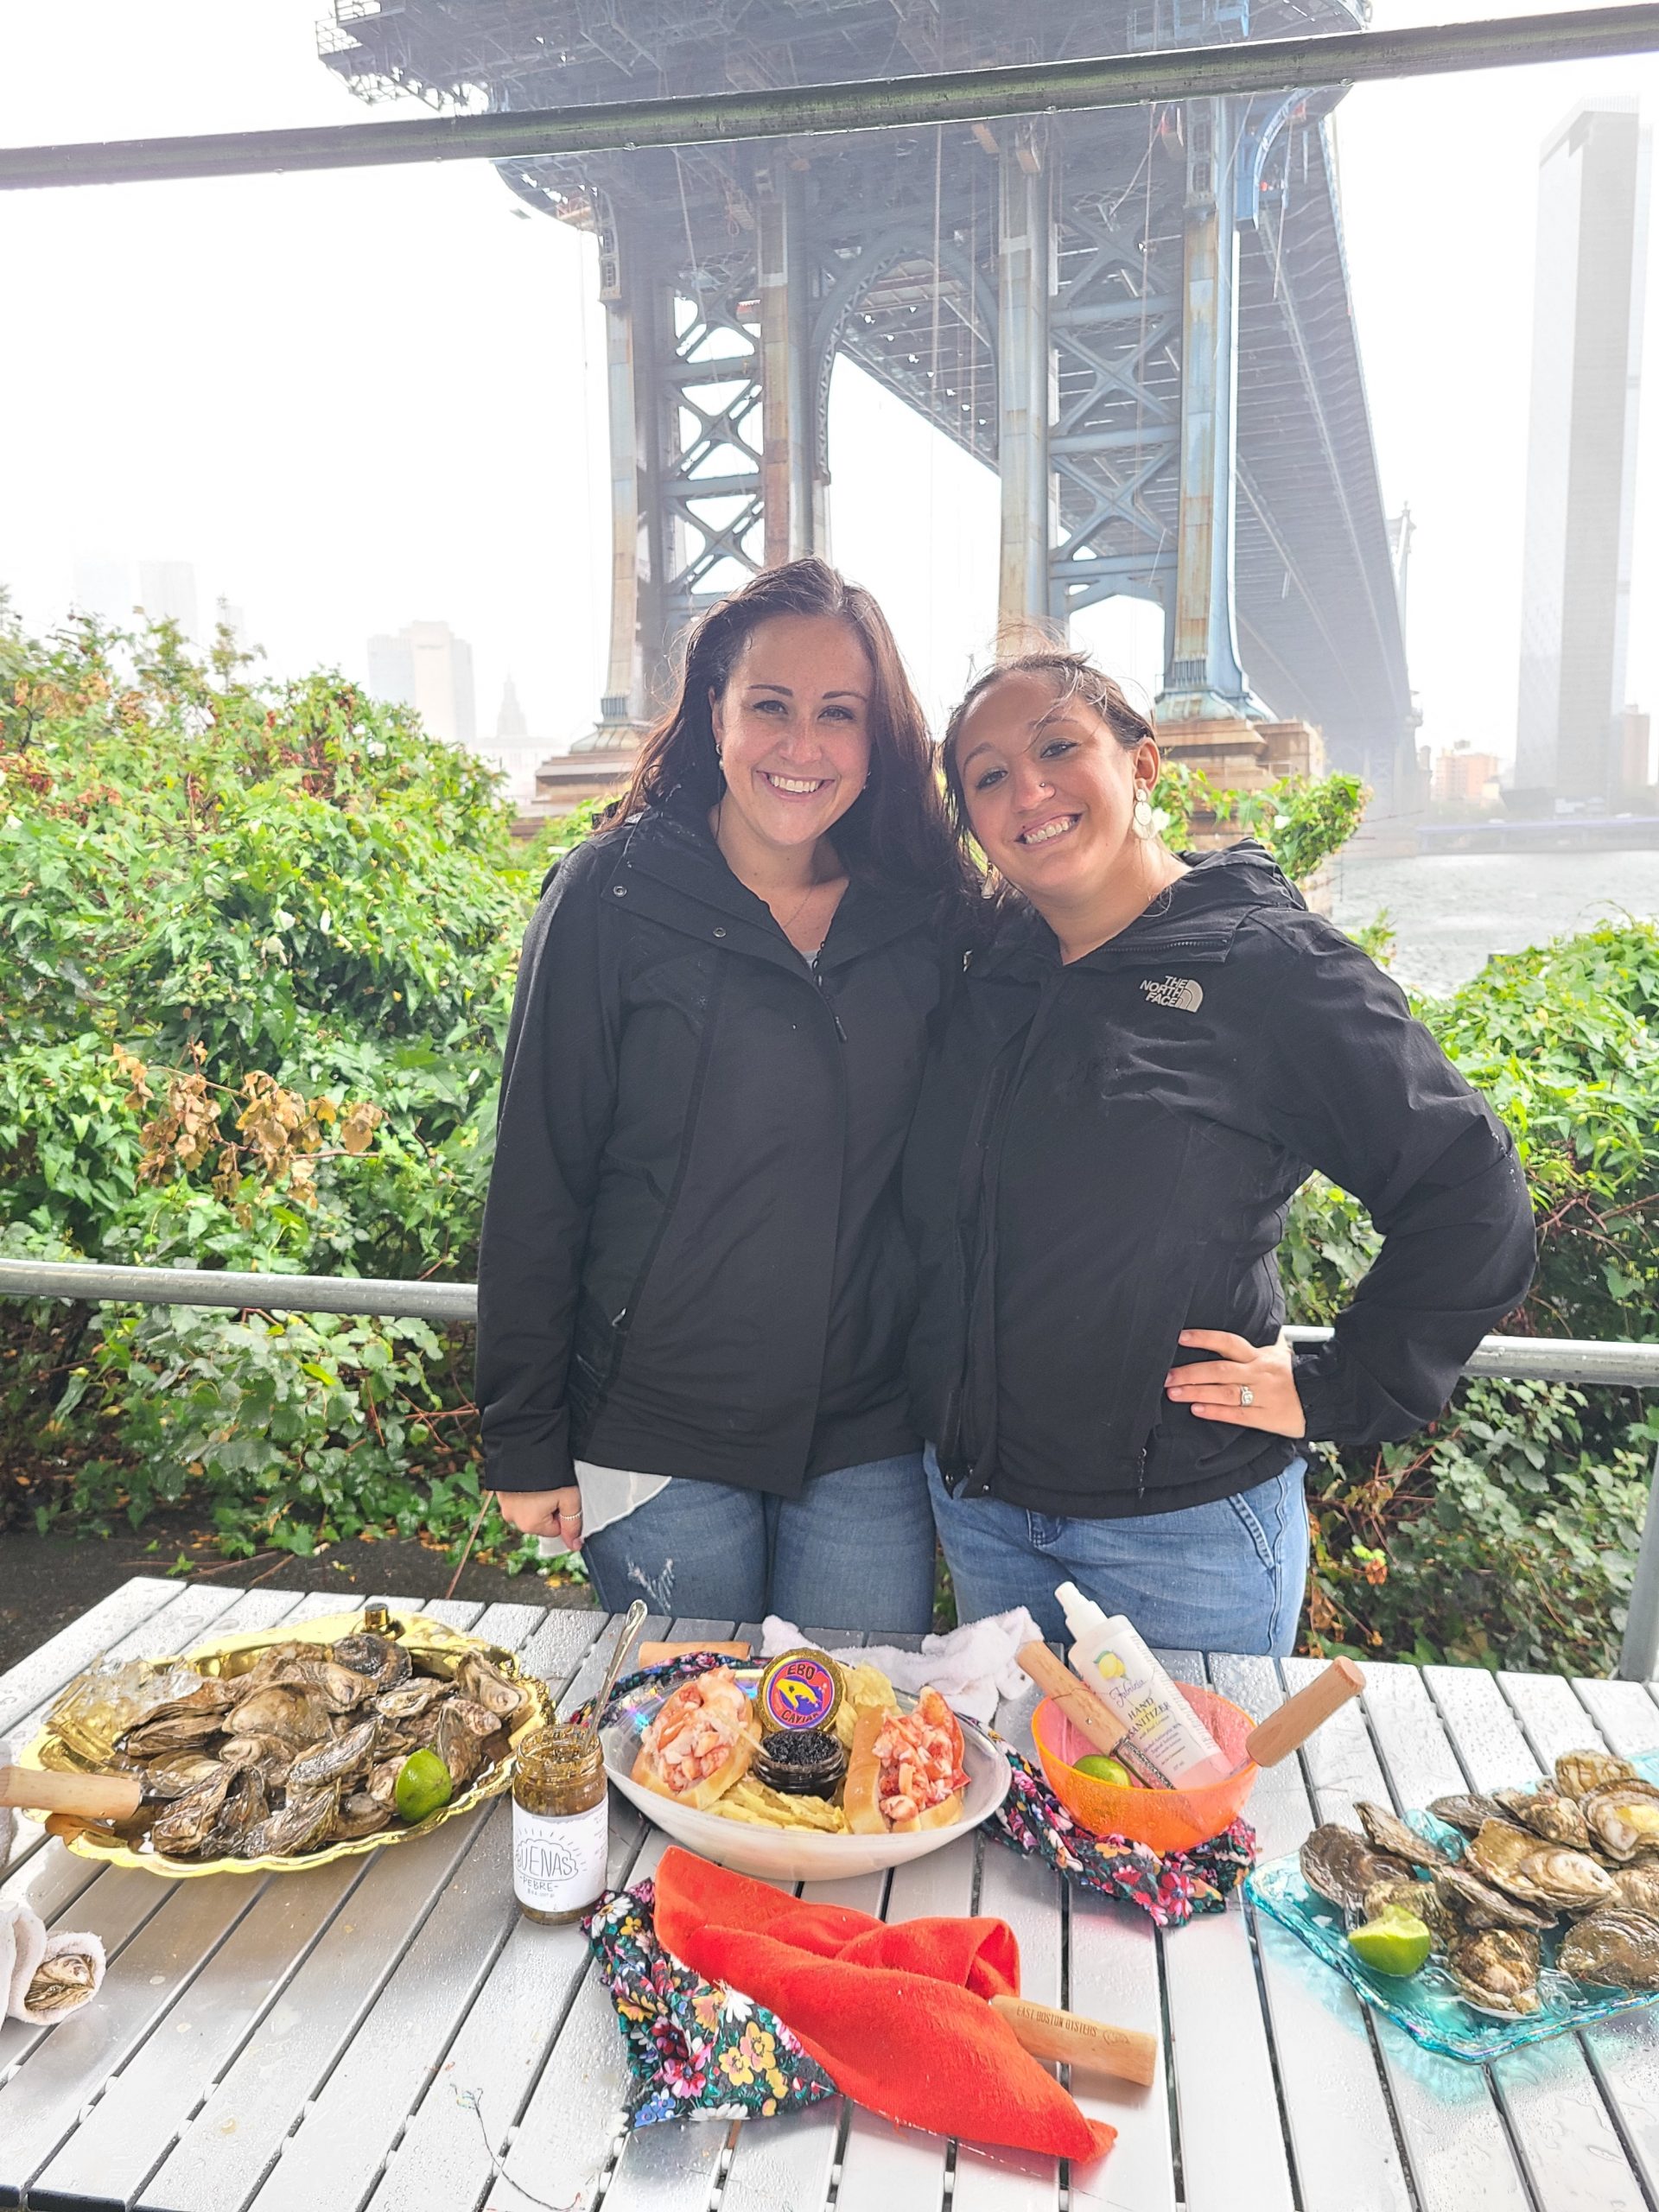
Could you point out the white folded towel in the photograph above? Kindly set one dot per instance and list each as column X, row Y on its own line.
column 971, row 1668
column 27, row 1951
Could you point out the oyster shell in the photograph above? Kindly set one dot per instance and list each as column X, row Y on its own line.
column 302, row 1821
column 334, row 1758
column 1341, row 1865
column 61, row 1983
column 1465, row 1811
column 1538, row 1874
column 1636, row 1890
column 1420, row 1897
column 385, row 1663
column 177, row 1771
column 244, row 1807
column 174, row 1733
column 273, row 1711
column 1385, row 1830
column 338, row 1689
column 1496, row 1971
column 272, row 1755
column 360, row 1815
column 188, row 1821
column 1623, row 1817
column 480, row 1679
column 1476, row 1905
column 459, row 1744
column 1615, row 1948
column 1547, row 1813
column 1578, row 1772
column 382, row 1784
column 412, row 1698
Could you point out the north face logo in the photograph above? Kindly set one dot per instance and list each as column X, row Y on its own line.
column 1179, row 991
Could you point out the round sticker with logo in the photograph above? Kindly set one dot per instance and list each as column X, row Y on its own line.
column 800, row 1690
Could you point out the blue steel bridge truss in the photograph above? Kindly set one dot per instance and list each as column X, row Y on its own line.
column 1140, row 317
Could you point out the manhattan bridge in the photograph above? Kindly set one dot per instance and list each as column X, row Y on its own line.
column 1138, row 317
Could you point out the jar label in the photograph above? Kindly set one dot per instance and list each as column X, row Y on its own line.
column 558, row 1859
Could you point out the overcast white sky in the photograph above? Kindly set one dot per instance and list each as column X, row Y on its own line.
column 357, row 399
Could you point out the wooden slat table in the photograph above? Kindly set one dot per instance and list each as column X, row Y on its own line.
column 386, row 2035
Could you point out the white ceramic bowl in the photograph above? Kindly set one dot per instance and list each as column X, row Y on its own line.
column 795, row 1854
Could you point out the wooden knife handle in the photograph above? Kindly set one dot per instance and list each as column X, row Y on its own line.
column 1090, row 1715
column 1278, row 1736
column 659, row 1655
column 1096, row 2045
column 88, row 1796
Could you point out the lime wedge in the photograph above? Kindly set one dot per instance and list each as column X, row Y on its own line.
column 423, row 1786
column 1099, row 1768
column 1396, row 1942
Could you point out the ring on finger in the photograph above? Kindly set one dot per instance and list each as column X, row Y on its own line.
column 1246, row 1396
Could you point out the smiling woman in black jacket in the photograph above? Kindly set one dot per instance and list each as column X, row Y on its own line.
column 694, row 1286
column 1134, row 1080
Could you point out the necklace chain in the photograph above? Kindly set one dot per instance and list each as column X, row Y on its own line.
column 806, row 896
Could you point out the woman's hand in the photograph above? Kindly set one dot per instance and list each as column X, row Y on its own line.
column 555, row 1513
column 1263, row 1372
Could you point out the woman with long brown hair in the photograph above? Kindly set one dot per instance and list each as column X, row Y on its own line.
column 694, row 1287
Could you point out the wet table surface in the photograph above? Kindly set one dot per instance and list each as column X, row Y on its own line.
column 387, row 2033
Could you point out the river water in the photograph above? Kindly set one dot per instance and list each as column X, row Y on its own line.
column 1451, row 910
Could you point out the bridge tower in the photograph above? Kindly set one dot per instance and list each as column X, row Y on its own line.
column 1138, row 317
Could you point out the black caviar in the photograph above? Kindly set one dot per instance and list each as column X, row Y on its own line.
column 801, row 1763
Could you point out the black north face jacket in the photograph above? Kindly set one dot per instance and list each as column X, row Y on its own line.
column 1103, row 1154
column 693, row 1259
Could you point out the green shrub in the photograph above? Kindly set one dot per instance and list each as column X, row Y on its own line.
column 261, row 944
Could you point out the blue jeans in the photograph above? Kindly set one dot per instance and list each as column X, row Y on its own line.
column 854, row 1551
column 1226, row 1577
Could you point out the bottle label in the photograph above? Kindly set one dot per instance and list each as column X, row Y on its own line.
column 558, row 1859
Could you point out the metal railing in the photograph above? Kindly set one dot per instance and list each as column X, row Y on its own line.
column 1534, row 1359
column 1291, row 65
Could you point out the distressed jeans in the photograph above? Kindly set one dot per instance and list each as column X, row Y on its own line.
column 1225, row 1577
column 854, row 1551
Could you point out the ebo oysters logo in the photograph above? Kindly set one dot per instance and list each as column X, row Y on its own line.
column 1179, row 991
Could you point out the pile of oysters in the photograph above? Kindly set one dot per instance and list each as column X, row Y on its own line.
column 1576, row 1858
column 303, row 1749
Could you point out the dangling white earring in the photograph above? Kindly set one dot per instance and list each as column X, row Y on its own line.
column 1144, row 824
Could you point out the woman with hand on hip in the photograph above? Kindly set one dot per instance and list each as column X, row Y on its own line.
column 694, row 1286
column 1134, row 1078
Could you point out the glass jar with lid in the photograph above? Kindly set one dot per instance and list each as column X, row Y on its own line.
column 561, row 1824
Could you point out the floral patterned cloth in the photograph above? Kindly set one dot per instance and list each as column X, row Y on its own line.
column 1170, row 1888
column 694, row 2046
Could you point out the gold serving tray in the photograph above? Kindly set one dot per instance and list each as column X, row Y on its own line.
column 234, row 1654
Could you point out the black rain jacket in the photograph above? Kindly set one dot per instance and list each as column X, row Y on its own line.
column 694, row 1261
column 1103, row 1154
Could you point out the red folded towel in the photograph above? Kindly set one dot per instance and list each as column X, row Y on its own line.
column 895, row 2014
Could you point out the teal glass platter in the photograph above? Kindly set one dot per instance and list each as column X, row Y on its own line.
column 1426, row 2004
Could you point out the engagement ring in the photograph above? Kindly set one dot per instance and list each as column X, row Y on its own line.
column 1246, row 1396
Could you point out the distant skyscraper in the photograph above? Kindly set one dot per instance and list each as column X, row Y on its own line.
column 167, row 592
column 427, row 667
column 102, row 587
column 510, row 721
column 1586, row 360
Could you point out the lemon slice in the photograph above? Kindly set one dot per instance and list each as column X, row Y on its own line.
column 1099, row 1768
column 1396, row 1942
column 423, row 1785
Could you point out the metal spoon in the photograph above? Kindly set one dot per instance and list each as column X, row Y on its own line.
column 630, row 1628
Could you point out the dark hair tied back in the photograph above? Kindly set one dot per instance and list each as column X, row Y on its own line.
column 1074, row 676
column 896, row 831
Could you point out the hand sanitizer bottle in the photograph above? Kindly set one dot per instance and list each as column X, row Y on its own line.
column 1167, row 1743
